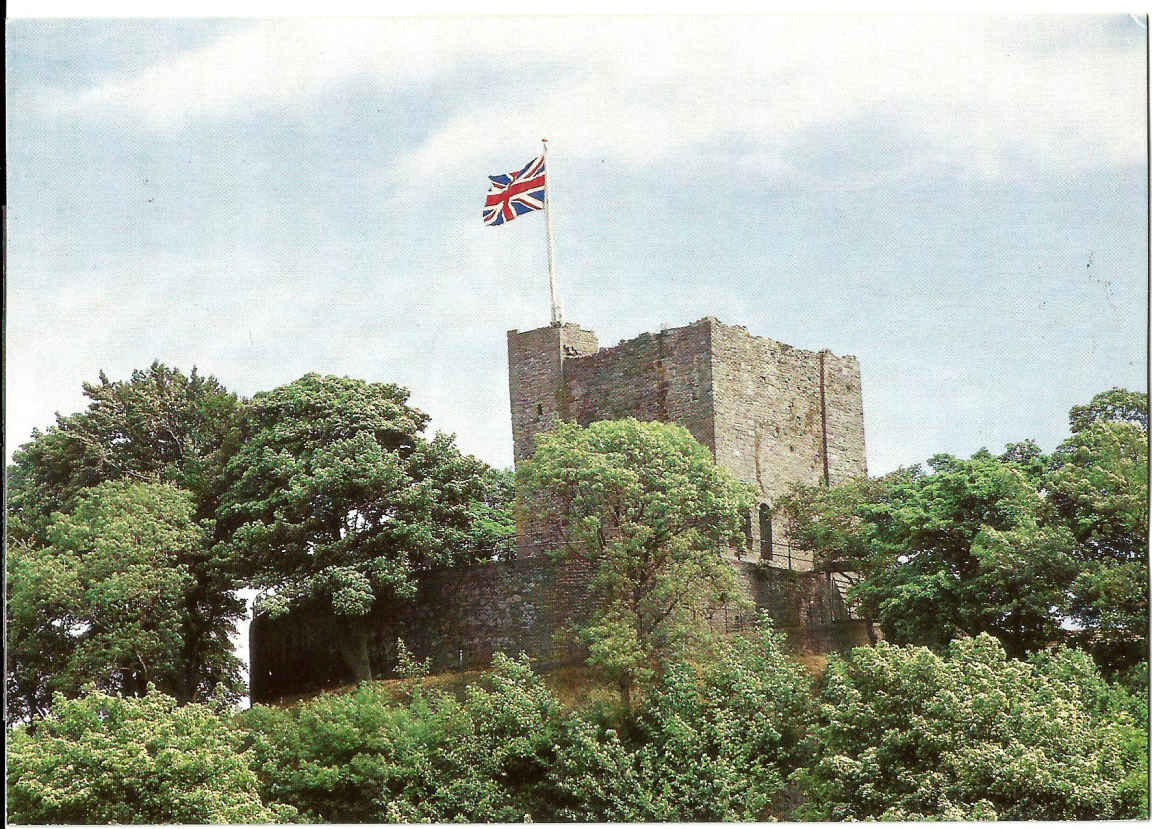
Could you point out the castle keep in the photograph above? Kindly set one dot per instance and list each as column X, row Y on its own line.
column 770, row 413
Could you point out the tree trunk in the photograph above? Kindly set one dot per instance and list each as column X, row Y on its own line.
column 353, row 644
column 626, row 691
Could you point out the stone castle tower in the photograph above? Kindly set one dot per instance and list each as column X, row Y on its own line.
column 770, row 413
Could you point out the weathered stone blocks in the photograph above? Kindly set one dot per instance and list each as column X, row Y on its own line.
column 772, row 414
column 461, row 616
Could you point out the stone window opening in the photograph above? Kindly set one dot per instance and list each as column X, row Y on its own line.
column 765, row 515
column 539, row 411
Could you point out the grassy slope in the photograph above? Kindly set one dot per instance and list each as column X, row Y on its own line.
column 576, row 686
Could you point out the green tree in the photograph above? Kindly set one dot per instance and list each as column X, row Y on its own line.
column 109, row 759
column 162, row 426
column 1016, row 546
column 907, row 734
column 1116, row 405
column 837, row 525
column 969, row 546
column 334, row 499
column 493, row 531
column 110, row 600
column 42, row 621
column 647, row 507
column 713, row 742
column 1109, row 604
column 159, row 425
column 1098, row 482
column 1028, row 458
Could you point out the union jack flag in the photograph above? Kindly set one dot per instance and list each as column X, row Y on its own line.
column 516, row 193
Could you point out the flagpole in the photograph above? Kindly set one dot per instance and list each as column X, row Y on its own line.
column 557, row 312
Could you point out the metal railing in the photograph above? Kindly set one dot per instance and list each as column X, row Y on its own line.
column 783, row 554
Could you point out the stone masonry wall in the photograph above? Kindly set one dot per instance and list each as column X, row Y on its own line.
column 772, row 414
column 846, row 456
column 536, row 379
column 462, row 616
column 665, row 376
column 781, row 412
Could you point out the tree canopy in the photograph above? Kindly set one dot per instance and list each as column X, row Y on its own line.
column 1098, row 482
column 646, row 505
column 1017, row 545
column 159, row 425
column 113, row 601
column 1116, row 405
column 334, row 499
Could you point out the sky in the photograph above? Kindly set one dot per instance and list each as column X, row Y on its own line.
column 959, row 202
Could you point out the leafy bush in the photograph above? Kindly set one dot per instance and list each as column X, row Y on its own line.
column 1122, row 703
column 108, row 759
column 907, row 734
column 709, row 745
column 361, row 757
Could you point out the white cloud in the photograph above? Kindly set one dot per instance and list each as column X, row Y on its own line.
column 990, row 97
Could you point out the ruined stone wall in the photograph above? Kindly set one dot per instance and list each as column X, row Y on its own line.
column 782, row 413
column 665, row 376
column 845, row 407
column 536, row 388
column 772, row 414
column 461, row 616
column 768, row 415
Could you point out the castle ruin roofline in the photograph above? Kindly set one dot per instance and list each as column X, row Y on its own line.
column 711, row 321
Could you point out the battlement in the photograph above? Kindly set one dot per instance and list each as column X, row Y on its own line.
column 771, row 413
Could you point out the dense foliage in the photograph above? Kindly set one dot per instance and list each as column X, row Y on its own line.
column 891, row 732
column 334, row 498
column 362, row 757
column 113, row 600
column 908, row 734
column 712, row 742
column 133, row 523
column 1113, row 406
column 109, row 759
column 159, row 425
column 1031, row 549
column 646, row 504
